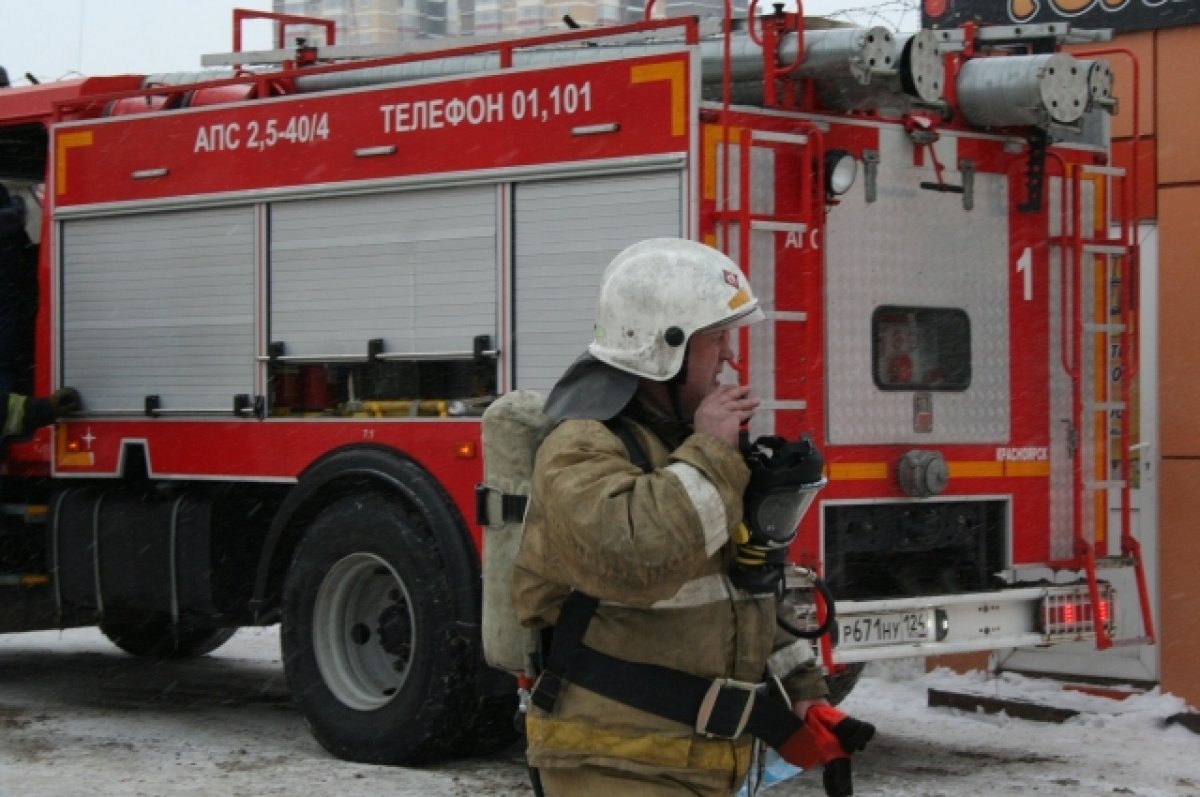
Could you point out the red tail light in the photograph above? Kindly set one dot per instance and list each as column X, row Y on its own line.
column 1069, row 612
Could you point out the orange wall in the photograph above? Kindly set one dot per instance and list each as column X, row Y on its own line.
column 1179, row 421
column 1178, row 108
column 1177, row 168
column 1179, row 310
column 1179, row 556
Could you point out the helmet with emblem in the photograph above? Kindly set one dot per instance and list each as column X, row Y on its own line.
column 656, row 294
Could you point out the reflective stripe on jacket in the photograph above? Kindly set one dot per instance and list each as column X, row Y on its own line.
column 20, row 415
column 12, row 415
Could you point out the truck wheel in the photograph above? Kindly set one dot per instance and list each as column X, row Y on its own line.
column 156, row 637
column 371, row 651
column 841, row 684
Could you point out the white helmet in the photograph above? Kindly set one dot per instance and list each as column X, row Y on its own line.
column 656, row 294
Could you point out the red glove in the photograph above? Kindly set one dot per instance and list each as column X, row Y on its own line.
column 811, row 745
column 828, row 737
column 852, row 734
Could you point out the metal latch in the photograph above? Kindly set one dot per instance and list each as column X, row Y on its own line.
column 966, row 169
column 870, row 173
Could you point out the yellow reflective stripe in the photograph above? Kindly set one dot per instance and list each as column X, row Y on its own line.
column 975, row 470
column 565, row 736
column 713, row 136
column 15, row 419
column 65, row 141
column 673, row 72
column 857, row 471
column 961, row 469
column 1035, row 468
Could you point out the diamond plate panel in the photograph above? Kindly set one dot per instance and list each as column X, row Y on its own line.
column 920, row 248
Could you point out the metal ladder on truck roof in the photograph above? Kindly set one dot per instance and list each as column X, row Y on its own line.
column 1100, row 357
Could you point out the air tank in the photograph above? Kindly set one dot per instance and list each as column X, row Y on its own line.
column 1100, row 84
column 1022, row 90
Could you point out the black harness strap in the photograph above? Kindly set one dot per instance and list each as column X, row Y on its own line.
column 719, row 708
column 512, row 507
column 573, row 619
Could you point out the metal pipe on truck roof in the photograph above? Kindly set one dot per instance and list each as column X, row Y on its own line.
column 837, row 52
column 918, row 76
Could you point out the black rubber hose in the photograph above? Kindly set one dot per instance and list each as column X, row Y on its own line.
column 823, row 628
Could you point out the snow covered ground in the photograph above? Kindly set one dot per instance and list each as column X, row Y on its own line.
column 77, row 717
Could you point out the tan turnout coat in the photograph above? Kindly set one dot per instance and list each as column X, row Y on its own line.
column 653, row 548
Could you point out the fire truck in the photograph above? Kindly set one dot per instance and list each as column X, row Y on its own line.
column 287, row 288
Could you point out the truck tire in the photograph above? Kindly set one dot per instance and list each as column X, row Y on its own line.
column 157, row 637
column 371, row 650
column 491, row 726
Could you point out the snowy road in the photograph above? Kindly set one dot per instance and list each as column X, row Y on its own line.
column 77, row 717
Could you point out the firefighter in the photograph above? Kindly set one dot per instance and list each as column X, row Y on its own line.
column 636, row 496
column 18, row 294
column 21, row 415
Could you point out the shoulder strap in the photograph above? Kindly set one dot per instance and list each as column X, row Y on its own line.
column 511, row 508
column 637, row 454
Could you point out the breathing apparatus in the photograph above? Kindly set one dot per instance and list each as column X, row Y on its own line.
column 785, row 477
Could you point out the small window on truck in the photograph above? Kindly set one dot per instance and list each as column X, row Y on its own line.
column 921, row 348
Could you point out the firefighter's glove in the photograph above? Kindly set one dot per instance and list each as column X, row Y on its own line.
column 852, row 734
column 65, row 401
column 828, row 737
column 816, row 744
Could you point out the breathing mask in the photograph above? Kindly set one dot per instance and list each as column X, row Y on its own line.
column 785, row 477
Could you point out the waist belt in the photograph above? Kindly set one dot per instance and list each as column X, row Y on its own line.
column 720, row 708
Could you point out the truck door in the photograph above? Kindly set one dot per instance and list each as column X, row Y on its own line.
column 565, row 233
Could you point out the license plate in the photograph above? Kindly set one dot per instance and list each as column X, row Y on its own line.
column 884, row 629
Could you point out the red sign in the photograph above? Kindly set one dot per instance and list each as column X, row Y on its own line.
column 604, row 109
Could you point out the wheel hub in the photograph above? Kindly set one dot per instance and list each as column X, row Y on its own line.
column 363, row 631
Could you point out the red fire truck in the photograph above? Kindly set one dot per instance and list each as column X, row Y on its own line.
column 287, row 290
